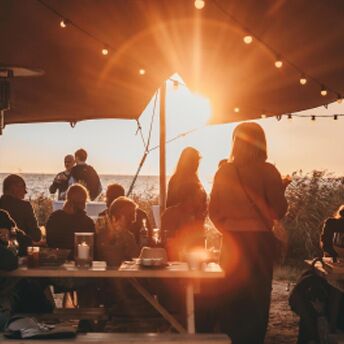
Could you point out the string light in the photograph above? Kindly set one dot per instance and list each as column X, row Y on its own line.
column 142, row 71
column 339, row 99
column 323, row 91
column 199, row 4
column 236, row 109
column 290, row 116
column 303, row 80
column 105, row 51
column 335, row 117
column 248, row 39
column 278, row 63
column 263, row 115
column 175, row 84
column 63, row 23
column 313, row 118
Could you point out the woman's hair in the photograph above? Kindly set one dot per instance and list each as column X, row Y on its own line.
column 340, row 212
column 188, row 162
column 122, row 206
column 77, row 195
column 249, row 143
column 113, row 191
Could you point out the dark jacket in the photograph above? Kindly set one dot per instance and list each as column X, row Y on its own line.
column 331, row 227
column 60, row 184
column 87, row 176
column 61, row 227
column 8, row 260
column 22, row 213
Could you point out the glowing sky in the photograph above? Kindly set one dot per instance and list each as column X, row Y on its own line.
column 114, row 148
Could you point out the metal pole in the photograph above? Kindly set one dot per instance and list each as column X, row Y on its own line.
column 162, row 147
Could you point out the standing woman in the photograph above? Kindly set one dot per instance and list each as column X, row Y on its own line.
column 186, row 174
column 247, row 196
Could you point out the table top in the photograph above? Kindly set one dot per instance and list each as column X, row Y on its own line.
column 126, row 270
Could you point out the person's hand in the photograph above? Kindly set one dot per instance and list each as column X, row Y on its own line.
column 286, row 180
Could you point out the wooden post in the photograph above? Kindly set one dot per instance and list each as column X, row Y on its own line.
column 162, row 147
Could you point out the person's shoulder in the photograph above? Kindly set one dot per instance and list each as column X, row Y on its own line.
column 331, row 221
column 57, row 213
column 140, row 213
column 270, row 169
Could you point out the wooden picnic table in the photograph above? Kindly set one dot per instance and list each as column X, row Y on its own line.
column 132, row 272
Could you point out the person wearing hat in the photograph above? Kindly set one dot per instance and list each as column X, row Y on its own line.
column 21, row 211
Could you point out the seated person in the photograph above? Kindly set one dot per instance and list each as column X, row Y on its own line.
column 114, row 242
column 12, row 200
column 332, row 235
column 72, row 218
column 183, row 224
column 61, row 180
column 85, row 174
column 16, row 295
column 114, row 191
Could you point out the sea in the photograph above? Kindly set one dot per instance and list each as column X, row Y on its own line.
column 145, row 187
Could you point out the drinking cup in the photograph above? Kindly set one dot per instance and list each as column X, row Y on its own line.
column 33, row 256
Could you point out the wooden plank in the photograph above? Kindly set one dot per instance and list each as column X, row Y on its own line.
column 166, row 315
column 172, row 271
column 129, row 338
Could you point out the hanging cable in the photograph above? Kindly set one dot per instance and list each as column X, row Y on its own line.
column 139, row 130
column 146, row 151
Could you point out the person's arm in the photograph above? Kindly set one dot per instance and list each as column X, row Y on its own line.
column 32, row 227
column 274, row 191
column 52, row 231
column 326, row 238
column 24, row 241
column 215, row 205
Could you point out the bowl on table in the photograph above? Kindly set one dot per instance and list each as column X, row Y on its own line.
column 53, row 256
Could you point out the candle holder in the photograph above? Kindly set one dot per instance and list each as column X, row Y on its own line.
column 83, row 249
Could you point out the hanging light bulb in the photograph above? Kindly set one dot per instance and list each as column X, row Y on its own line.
column 303, row 80
column 290, row 116
column 248, row 39
column 236, row 109
column 63, row 23
column 278, row 62
column 105, row 51
column 175, row 85
column 313, row 118
column 263, row 115
column 323, row 91
column 142, row 71
column 335, row 117
column 199, row 4
column 339, row 98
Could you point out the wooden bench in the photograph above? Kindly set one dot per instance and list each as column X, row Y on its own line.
column 129, row 338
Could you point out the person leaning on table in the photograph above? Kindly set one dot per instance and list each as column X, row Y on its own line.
column 12, row 200
column 247, row 195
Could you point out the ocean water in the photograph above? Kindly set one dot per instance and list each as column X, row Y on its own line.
column 38, row 184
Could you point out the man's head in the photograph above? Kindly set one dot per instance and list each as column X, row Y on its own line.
column 113, row 191
column 14, row 185
column 80, row 155
column 122, row 212
column 69, row 161
column 76, row 198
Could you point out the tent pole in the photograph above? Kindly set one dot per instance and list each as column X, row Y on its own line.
column 162, row 147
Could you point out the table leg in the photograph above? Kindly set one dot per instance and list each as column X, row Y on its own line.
column 190, row 307
column 166, row 315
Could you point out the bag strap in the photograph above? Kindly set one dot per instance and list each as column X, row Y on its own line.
column 250, row 199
